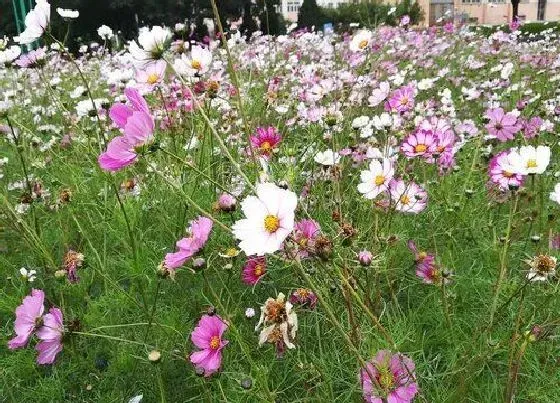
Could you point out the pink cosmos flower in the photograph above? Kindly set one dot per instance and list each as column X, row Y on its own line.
column 421, row 143
column 408, row 198
column 305, row 232
column 254, row 270
column 401, row 100
column 419, row 256
column 266, row 140
column 394, row 379
column 531, row 127
column 226, row 202
column 365, row 257
column 152, row 74
column 31, row 59
column 502, row 125
column 28, row 315
column 50, row 335
column 207, row 336
column 138, row 128
column 502, row 171
column 200, row 230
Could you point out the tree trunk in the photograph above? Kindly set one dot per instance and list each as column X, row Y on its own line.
column 515, row 5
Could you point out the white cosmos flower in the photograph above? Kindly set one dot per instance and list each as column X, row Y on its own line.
column 376, row 179
column 66, row 13
column 530, row 160
column 105, row 32
column 151, row 44
column 36, row 22
column 555, row 195
column 269, row 219
column 360, row 41
column 198, row 61
column 359, row 122
column 327, row 157
column 10, row 54
column 28, row 275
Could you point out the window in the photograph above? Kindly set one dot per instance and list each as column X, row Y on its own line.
column 471, row 1
column 293, row 6
column 496, row 1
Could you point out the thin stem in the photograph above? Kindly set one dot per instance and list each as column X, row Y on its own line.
column 503, row 260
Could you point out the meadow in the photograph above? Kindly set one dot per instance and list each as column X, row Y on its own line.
column 371, row 216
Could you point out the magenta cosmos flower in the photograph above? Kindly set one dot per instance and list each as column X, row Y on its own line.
column 394, row 379
column 138, row 127
column 401, row 100
column 254, row 270
column 207, row 336
column 28, row 316
column 501, row 171
column 502, row 125
column 266, row 140
column 50, row 336
column 407, row 197
column 199, row 232
column 421, row 143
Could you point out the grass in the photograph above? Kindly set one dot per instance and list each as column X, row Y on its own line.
column 120, row 310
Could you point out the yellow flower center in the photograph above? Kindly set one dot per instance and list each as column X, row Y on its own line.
column 259, row 270
column 215, row 342
column 532, row 163
column 404, row 101
column 195, row 64
column 363, row 44
column 386, row 379
column 266, row 147
column 152, row 78
column 422, row 255
column 507, row 174
column 271, row 223
column 404, row 199
column 231, row 252
column 379, row 180
column 420, row 148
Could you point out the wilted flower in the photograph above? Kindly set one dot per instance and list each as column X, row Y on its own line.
column 72, row 261
column 279, row 324
column 541, row 267
column 304, row 296
column 305, row 233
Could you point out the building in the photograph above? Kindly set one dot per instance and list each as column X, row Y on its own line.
column 488, row 11
column 289, row 8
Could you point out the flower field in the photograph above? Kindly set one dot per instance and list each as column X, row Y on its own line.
column 371, row 216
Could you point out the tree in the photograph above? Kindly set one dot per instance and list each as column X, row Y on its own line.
column 515, row 13
column 271, row 22
column 309, row 15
